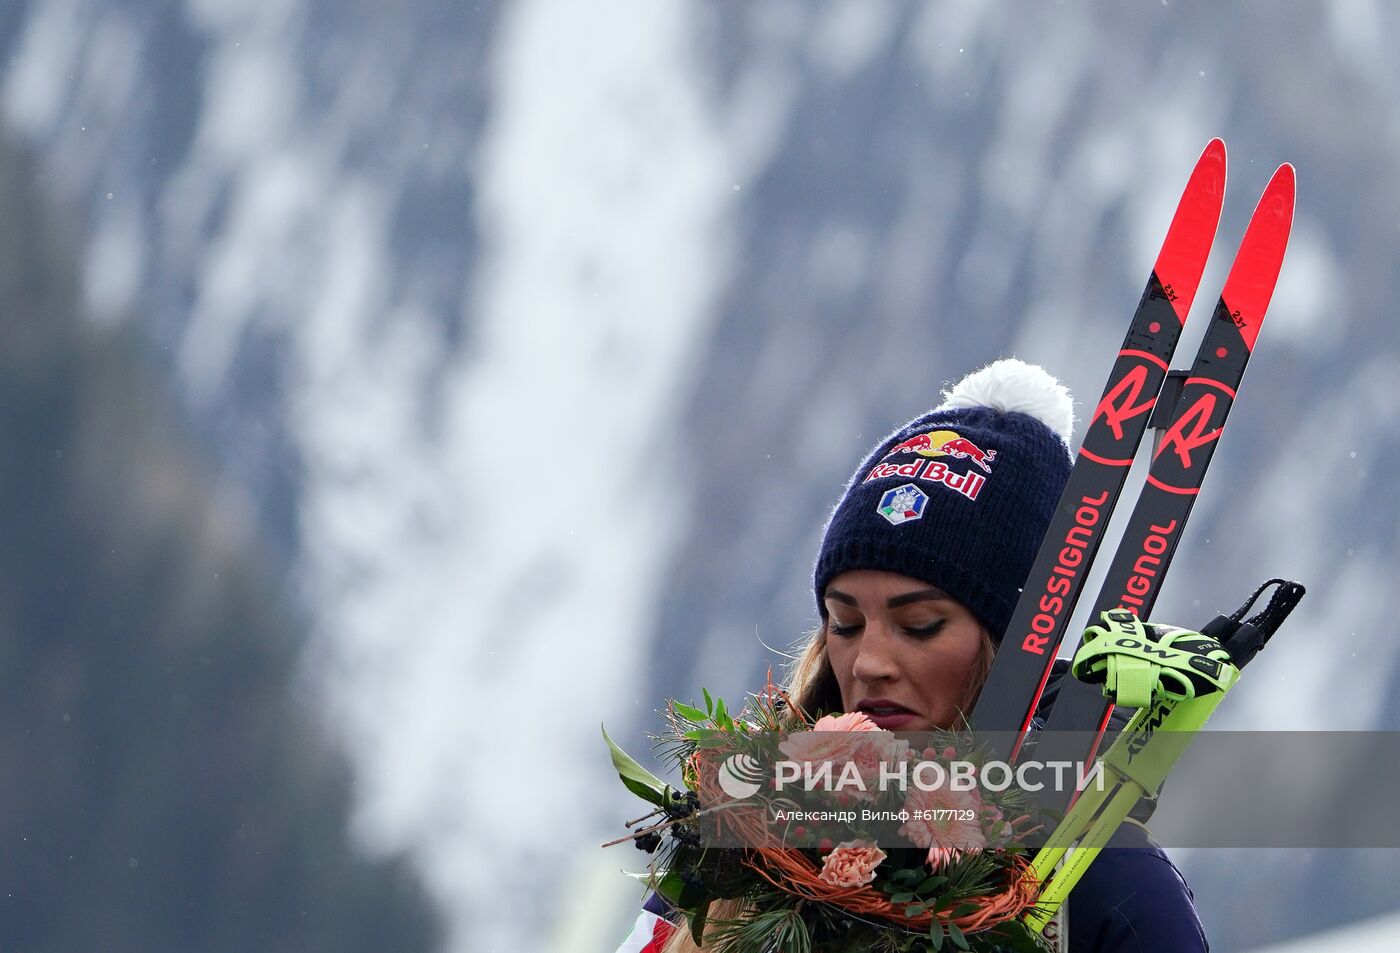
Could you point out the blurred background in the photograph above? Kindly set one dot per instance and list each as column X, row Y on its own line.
column 391, row 393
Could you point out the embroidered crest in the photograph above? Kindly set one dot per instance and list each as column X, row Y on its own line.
column 902, row 504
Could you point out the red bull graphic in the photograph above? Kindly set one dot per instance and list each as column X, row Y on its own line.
column 940, row 443
column 919, row 443
column 962, row 447
column 969, row 484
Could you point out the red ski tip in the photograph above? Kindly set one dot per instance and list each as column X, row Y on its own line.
column 1182, row 259
column 1255, row 272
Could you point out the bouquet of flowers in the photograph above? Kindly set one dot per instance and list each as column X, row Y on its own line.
column 785, row 835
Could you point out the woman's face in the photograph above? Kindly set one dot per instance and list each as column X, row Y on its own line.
column 903, row 652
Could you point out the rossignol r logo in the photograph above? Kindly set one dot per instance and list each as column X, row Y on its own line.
column 1120, row 416
column 1124, row 401
column 1191, row 431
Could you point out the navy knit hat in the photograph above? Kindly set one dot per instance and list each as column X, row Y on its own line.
column 960, row 497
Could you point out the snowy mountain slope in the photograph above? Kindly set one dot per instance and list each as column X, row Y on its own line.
column 544, row 335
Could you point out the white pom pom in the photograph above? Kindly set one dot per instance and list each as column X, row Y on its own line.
column 1011, row 385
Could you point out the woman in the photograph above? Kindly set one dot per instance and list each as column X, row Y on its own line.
column 919, row 570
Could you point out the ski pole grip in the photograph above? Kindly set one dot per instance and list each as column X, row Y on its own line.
column 1131, row 680
column 1135, row 662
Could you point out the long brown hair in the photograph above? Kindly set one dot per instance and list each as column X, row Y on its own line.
column 812, row 687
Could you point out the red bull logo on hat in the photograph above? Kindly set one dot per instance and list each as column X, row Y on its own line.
column 950, row 443
column 938, row 443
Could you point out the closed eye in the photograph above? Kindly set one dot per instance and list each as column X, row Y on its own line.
column 836, row 628
column 918, row 632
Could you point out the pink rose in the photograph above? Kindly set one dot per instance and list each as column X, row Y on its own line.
column 947, row 822
column 851, row 863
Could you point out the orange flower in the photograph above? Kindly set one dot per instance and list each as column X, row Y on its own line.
column 849, row 738
column 851, row 721
column 828, row 740
column 851, row 863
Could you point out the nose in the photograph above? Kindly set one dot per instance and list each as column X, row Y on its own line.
column 875, row 659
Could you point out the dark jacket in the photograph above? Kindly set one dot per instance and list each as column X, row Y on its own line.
column 1132, row 899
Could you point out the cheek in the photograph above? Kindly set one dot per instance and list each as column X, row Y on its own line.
column 947, row 671
column 841, row 659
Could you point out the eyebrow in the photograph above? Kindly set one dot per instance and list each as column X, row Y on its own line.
column 921, row 595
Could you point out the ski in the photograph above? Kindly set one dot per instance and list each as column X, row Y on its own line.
column 1038, row 623
column 1180, row 461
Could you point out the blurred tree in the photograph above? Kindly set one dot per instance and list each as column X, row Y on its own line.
column 162, row 787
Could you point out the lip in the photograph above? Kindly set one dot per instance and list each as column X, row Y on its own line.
column 892, row 720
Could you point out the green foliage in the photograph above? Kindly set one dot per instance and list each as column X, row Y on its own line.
column 778, row 928
column 697, row 922
column 1016, row 937
column 689, row 712
column 636, row 778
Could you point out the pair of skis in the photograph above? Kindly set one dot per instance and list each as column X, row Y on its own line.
column 1029, row 646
